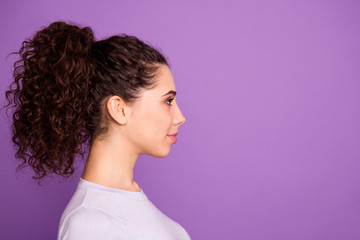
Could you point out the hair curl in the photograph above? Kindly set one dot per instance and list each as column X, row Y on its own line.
column 62, row 82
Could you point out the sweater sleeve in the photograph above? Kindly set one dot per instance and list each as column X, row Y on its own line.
column 87, row 223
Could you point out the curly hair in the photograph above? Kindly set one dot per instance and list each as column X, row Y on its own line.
column 61, row 84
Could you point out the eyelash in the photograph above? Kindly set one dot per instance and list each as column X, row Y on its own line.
column 169, row 100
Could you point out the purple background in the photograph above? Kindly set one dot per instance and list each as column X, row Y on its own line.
column 270, row 90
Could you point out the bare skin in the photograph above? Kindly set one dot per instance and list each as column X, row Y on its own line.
column 134, row 130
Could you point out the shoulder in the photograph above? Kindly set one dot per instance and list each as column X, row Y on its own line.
column 88, row 222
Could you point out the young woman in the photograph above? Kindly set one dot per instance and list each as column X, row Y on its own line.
column 118, row 93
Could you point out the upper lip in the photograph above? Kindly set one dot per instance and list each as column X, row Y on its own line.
column 174, row 134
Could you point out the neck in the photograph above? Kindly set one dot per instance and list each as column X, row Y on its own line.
column 111, row 163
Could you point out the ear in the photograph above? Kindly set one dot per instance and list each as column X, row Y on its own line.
column 118, row 109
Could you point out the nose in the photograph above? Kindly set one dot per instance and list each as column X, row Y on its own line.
column 179, row 117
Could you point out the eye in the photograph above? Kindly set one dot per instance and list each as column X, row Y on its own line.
column 169, row 100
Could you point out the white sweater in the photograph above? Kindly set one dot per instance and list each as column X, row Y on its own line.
column 99, row 212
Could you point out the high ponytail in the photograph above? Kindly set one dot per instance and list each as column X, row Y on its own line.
column 51, row 85
column 61, row 84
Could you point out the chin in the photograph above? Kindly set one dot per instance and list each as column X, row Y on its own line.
column 161, row 153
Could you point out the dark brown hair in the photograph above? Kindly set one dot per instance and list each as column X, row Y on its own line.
column 62, row 82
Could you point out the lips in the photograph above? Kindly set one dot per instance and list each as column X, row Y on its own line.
column 173, row 137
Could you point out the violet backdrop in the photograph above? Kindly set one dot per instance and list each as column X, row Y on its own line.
column 271, row 94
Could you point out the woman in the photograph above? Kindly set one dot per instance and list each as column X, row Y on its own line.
column 118, row 93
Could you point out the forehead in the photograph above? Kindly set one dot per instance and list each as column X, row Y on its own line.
column 165, row 83
column 164, row 79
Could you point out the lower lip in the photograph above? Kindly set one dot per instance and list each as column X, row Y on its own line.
column 173, row 138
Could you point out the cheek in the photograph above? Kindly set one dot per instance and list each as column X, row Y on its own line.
column 156, row 123
column 150, row 131
column 148, row 125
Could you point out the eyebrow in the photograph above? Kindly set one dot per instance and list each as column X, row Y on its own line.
column 170, row 92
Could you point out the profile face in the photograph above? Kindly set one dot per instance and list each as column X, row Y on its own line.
column 156, row 116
